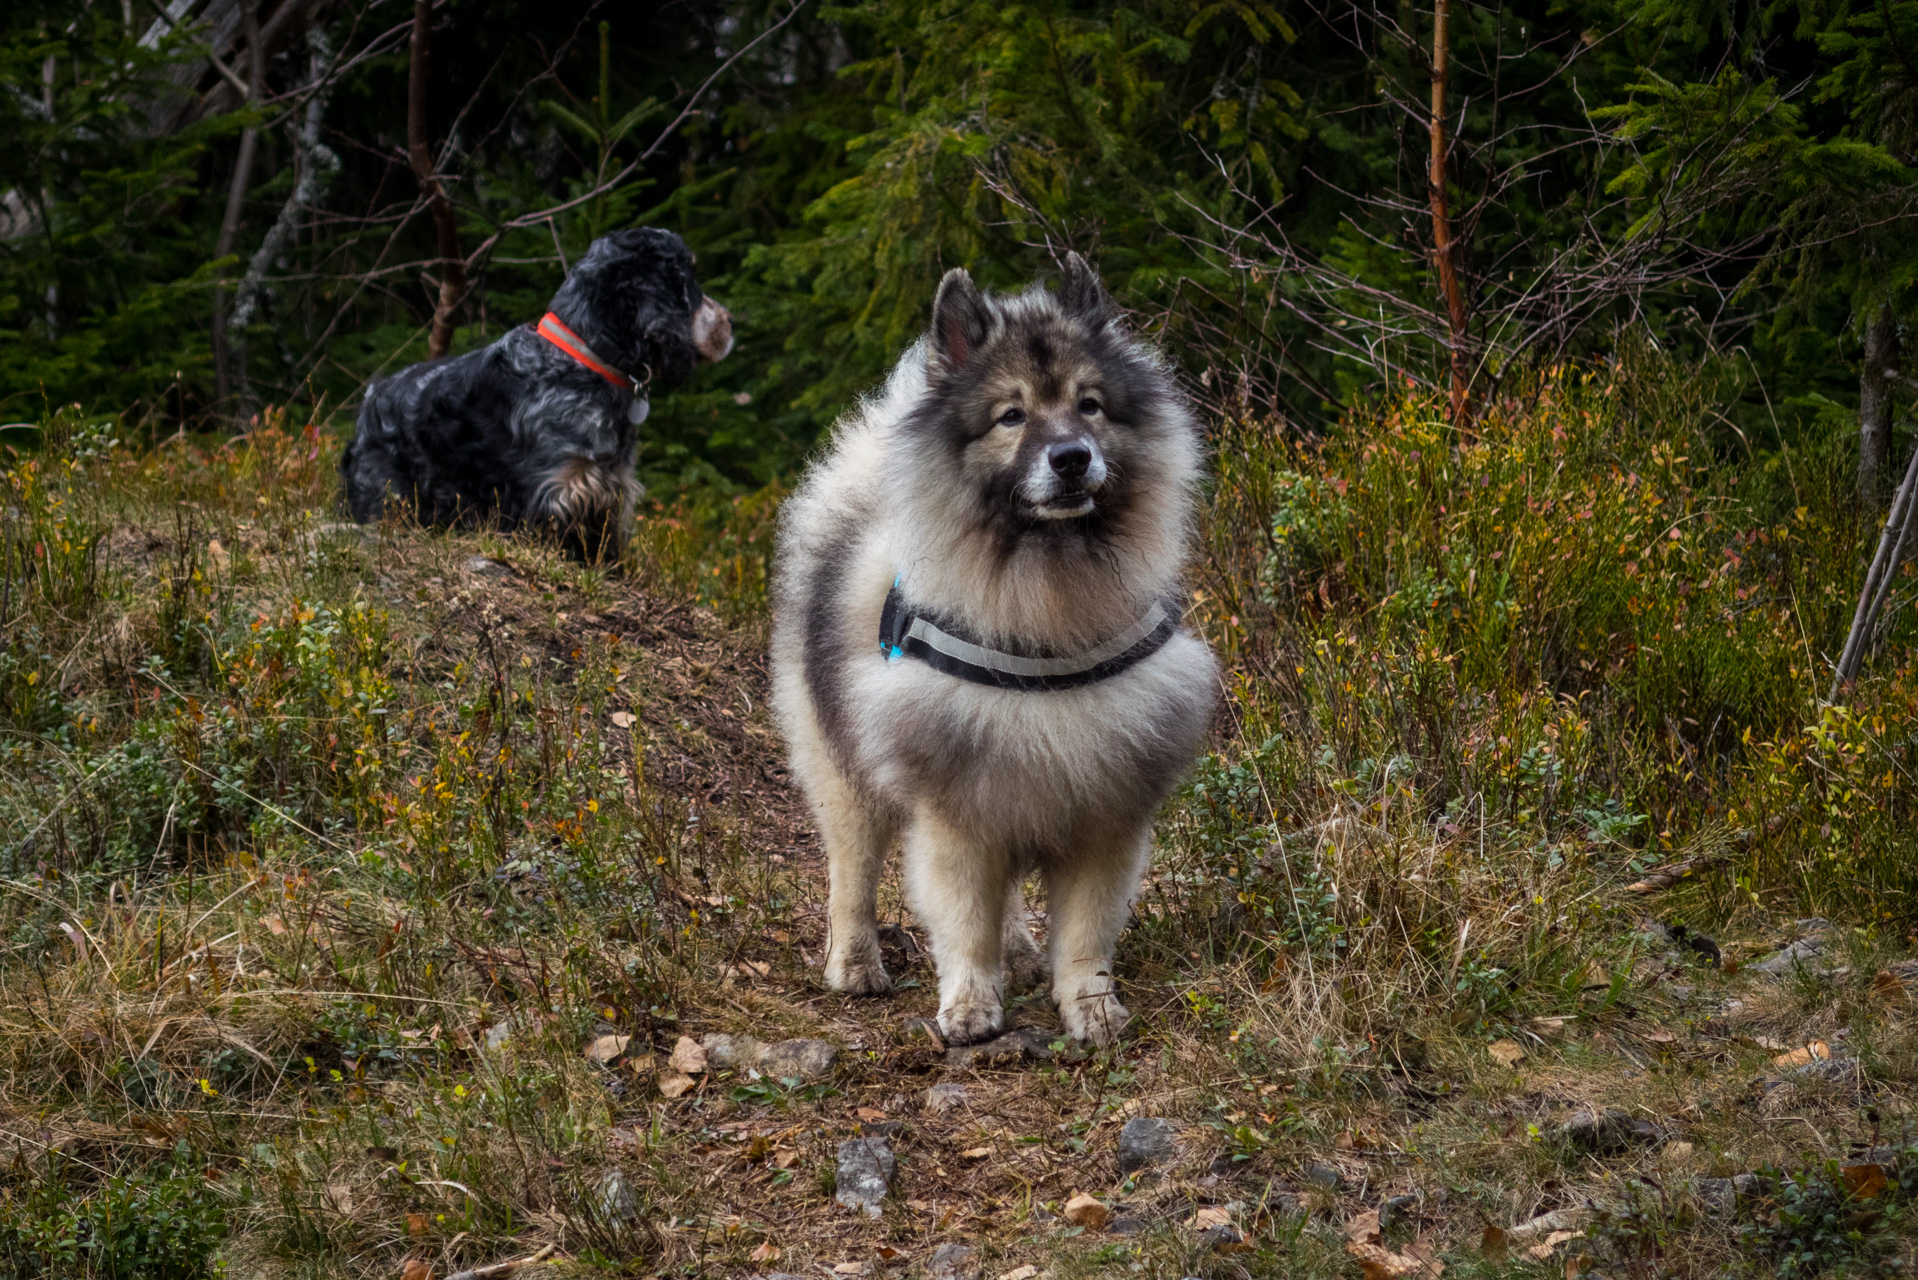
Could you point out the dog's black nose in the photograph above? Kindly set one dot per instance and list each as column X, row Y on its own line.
column 1071, row 459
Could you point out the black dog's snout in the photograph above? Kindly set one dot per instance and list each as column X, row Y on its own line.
column 1071, row 460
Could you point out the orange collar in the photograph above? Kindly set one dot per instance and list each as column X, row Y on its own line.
column 554, row 330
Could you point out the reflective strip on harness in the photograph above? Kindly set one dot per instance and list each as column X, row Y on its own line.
column 903, row 633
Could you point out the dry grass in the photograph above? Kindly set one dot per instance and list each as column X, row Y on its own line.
column 307, row 816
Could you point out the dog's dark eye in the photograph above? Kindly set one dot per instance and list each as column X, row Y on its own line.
column 1089, row 405
column 1012, row 417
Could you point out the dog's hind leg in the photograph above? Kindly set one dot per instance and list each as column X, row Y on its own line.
column 857, row 839
column 1087, row 896
column 958, row 890
column 1026, row 964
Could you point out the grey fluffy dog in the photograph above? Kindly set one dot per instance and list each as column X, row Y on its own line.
column 977, row 649
column 540, row 427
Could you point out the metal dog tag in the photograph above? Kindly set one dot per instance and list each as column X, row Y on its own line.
column 636, row 411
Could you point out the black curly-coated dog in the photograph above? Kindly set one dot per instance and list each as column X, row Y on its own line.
column 538, row 429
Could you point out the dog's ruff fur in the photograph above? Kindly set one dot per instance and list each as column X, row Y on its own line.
column 1028, row 472
column 523, row 433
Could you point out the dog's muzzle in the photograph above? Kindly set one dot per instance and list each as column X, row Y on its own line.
column 1066, row 479
column 712, row 331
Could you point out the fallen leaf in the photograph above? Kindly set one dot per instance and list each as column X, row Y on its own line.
column 1021, row 1273
column 417, row 1269
column 1816, row 1051
column 415, row 1224
column 688, row 1058
column 975, row 1153
column 849, row 1269
column 888, row 1254
column 785, row 1158
column 1889, row 988
column 1380, row 1263
column 1084, row 1210
column 1866, row 1181
column 870, row 1113
column 623, row 719
column 1550, row 1243
column 607, row 1048
column 1492, row 1243
column 1363, row 1227
column 1549, row 1026
column 274, row 925
column 767, row 1252
column 1658, row 1037
column 1206, row 1219
column 77, row 938
column 1546, row 1223
column 1506, row 1052
column 1766, row 1042
column 675, row 1083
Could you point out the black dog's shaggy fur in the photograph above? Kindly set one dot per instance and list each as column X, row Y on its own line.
column 520, row 433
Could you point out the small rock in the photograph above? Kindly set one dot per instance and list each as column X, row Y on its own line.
column 499, row 1033
column 1813, row 935
column 1287, row 1205
column 865, row 1170
column 1396, row 1210
column 486, row 566
column 1015, row 1045
column 1222, row 1239
column 883, row 1129
column 1323, row 1176
column 1717, row 1196
column 953, row 1262
column 725, row 1051
column 1087, row 1211
column 1829, row 1070
column 806, row 1060
column 942, row 1098
column 1146, row 1141
column 1130, row 1225
column 615, row 1199
column 1606, row 1132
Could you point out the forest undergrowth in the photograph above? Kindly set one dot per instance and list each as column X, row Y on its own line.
column 368, row 889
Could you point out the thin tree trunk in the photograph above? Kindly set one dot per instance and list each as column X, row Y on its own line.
column 315, row 164
column 1875, row 407
column 419, row 155
column 1878, row 579
column 1444, row 247
column 236, row 199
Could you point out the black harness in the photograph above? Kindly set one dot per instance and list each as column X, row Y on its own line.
column 903, row 633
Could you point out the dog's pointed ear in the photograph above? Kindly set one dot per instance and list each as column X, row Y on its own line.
column 1081, row 295
column 960, row 321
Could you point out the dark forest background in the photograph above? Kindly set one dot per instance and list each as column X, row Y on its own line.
column 1729, row 182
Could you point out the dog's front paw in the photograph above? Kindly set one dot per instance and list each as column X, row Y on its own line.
column 1096, row 1017
column 857, row 975
column 971, row 1021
